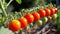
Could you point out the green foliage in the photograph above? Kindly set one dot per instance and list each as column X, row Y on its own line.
column 0, row 11
column 58, row 19
column 19, row 1
column 50, row 1
column 37, row 2
column 5, row 31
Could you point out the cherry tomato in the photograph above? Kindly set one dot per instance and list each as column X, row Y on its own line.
column 45, row 19
column 56, row 10
column 39, row 22
column 52, row 11
column 23, row 22
column 36, row 16
column 54, row 16
column 29, row 18
column 14, row 25
column 42, row 13
column 48, row 12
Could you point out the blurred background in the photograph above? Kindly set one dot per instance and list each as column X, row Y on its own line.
column 30, row 3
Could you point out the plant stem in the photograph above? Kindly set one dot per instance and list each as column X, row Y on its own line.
column 3, row 9
column 9, row 3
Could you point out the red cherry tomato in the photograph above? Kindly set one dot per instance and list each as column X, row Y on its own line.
column 56, row 10
column 14, row 25
column 23, row 22
column 42, row 13
column 52, row 11
column 48, row 12
column 36, row 16
column 29, row 18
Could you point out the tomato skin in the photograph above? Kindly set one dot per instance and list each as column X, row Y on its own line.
column 56, row 10
column 23, row 22
column 52, row 11
column 45, row 19
column 48, row 12
column 29, row 18
column 14, row 25
column 54, row 16
column 39, row 22
column 36, row 16
column 42, row 13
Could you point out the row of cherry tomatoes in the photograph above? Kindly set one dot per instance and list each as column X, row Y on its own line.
column 22, row 22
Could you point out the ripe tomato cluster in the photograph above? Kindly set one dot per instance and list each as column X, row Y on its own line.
column 22, row 22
